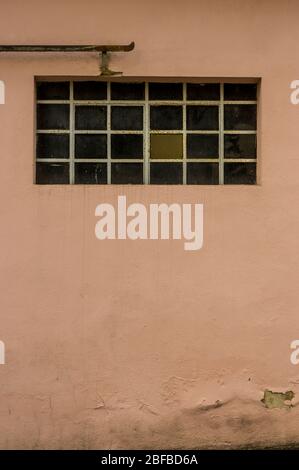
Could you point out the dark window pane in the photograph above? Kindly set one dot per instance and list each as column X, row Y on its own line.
column 166, row 146
column 91, row 90
column 202, row 118
column 127, row 173
column 239, row 173
column 165, row 91
column 240, row 145
column 166, row 173
column 203, row 91
column 52, row 146
column 127, row 91
column 129, row 118
column 240, row 117
column 240, row 91
column 52, row 173
column 90, row 146
column 202, row 145
column 126, row 146
column 202, row 173
column 91, row 118
column 90, row 173
column 53, row 116
column 166, row 117
column 53, row 91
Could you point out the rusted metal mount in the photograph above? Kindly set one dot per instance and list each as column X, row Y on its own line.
column 102, row 49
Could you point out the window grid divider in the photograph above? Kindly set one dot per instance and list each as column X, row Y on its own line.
column 72, row 135
column 221, row 137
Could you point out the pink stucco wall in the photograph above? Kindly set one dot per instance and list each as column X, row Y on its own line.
column 120, row 344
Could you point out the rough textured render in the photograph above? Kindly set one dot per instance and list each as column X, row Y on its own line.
column 133, row 344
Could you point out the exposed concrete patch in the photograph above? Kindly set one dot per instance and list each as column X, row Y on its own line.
column 278, row 399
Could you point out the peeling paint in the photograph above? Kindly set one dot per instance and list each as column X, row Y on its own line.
column 278, row 399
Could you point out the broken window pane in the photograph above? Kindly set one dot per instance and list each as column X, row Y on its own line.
column 166, row 173
column 127, row 91
column 52, row 173
column 53, row 116
column 239, row 173
column 203, row 91
column 90, row 90
column 90, row 118
column 202, row 118
column 126, row 146
column 165, row 91
column 166, row 146
column 128, row 118
column 202, row 173
column 52, row 145
column 202, row 146
column 90, row 146
column 240, row 117
column 127, row 173
column 240, row 146
column 166, row 117
column 90, row 173
column 53, row 91
column 240, row 91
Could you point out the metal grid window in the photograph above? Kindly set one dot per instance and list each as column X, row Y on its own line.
column 96, row 132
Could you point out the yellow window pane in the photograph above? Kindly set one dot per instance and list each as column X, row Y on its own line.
column 167, row 146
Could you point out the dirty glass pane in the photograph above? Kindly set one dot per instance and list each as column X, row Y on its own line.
column 90, row 90
column 240, row 146
column 166, row 173
column 52, row 146
column 239, row 173
column 202, row 145
column 166, row 146
column 203, row 91
column 52, row 173
column 53, row 90
column 90, row 117
column 127, row 91
column 90, row 173
column 90, row 146
column 126, row 146
column 240, row 91
column 165, row 91
column 53, row 116
column 240, row 117
column 202, row 173
column 127, row 173
column 128, row 118
column 202, row 118
column 166, row 117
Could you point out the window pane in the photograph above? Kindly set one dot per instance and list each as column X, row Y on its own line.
column 127, row 173
column 53, row 91
column 240, row 91
column 202, row 173
column 166, row 173
column 90, row 146
column 126, row 146
column 127, row 91
column 166, row 146
column 91, row 117
column 240, row 117
column 239, row 173
column 53, row 116
column 90, row 90
column 52, row 173
column 202, row 118
column 165, row 91
column 240, row 145
column 202, row 145
column 52, row 146
column 166, row 117
column 203, row 91
column 90, row 173
column 129, row 118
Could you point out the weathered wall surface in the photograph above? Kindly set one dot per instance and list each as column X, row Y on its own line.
column 120, row 344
